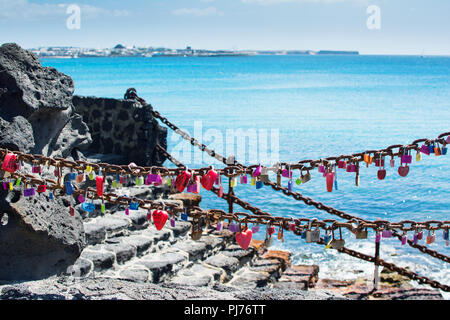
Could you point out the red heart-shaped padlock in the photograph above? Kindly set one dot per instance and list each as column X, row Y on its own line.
column 159, row 219
column 243, row 238
column 403, row 171
column 271, row 230
column 208, row 179
column 182, row 180
column 381, row 174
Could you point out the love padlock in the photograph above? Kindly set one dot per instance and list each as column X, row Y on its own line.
column 337, row 243
column 29, row 192
column 306, row 177
column 290, row 185
column 208, row 179
column 255, row 228
column 259, row 184
column 172, row 222
column 271, row 230
column 42, row 188
column 330, row 180
column 233, row 227
column 99, row 184
column 9, row 163
column 243, row 238
column 425, row 149
column 81, row 198
column 243, row 179
column 219, row 226
column 134, row 206
column 312, row 235
column 257, row 171
column 159, row 218
column 431, row 237
column 342, row 164
column 386, row 233
column 361, row 234
column 68, row 186
column 88, row 207
column 404, row 238
column 182, row 180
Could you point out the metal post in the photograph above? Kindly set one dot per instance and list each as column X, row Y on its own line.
column 376, row 278
column 230, row 193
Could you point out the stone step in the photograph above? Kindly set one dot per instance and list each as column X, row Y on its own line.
column 199, row 275
column 163, row 265
column 298, row 277
column 247, row 278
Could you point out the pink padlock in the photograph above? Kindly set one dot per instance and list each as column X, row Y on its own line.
column 243, row 179
column 425, row 149
column 377, row 237
column 406, row 158
column 257, row 171
column 386, row 233
column 322, row 168
column 342, row 164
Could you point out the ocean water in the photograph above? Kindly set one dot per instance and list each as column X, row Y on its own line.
column 313, row 106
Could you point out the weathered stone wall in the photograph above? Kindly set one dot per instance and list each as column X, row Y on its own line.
column 122, row 127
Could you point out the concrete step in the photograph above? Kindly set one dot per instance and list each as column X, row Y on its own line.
column 298, row 277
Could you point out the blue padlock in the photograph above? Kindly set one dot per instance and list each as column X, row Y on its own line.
column 326, row 238
column 134, row 205
column 335, row 185
column 259, row 184
column 71, row 176
column 290, row 185
column 444, row 151
column 184, row 216
column 89, row 207
column 69, row 188
column 431, row 148
column 50, row 196
column 118, row 177
column 445, row 234
column 303, row 235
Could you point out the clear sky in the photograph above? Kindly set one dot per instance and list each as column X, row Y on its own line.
column 406, row 26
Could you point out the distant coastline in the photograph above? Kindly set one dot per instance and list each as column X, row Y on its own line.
column 151, row 52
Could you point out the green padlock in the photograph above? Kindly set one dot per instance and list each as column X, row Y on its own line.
column 298, row 181
column 18, row 182
column 102, row 207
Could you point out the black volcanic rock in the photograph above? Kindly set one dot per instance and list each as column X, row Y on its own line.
column 42, row 96
column 40, row 238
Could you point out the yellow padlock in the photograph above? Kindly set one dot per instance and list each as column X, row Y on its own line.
column 418, row 156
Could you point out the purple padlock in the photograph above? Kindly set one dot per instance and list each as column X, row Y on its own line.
column 219, row 226
column 415, row 238
column 29, row 192
column 172, row 223
column 404, row 239
column 425, row 149
column 352, row 168
column 286, row 173
column 127, row 211
column 257, row 171
column 5, row 185
column 386, row 233
column 243, row 179
column 322, row 168
column 233, row 227
column 255, row 228
column 406, row 158
column 158, row 180
column 378, row 237
column 81, row 198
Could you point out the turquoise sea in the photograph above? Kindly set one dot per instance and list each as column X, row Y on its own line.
column 320, row 106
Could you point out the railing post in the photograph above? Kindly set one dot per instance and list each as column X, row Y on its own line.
column 376, row 277
column 230, row 193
